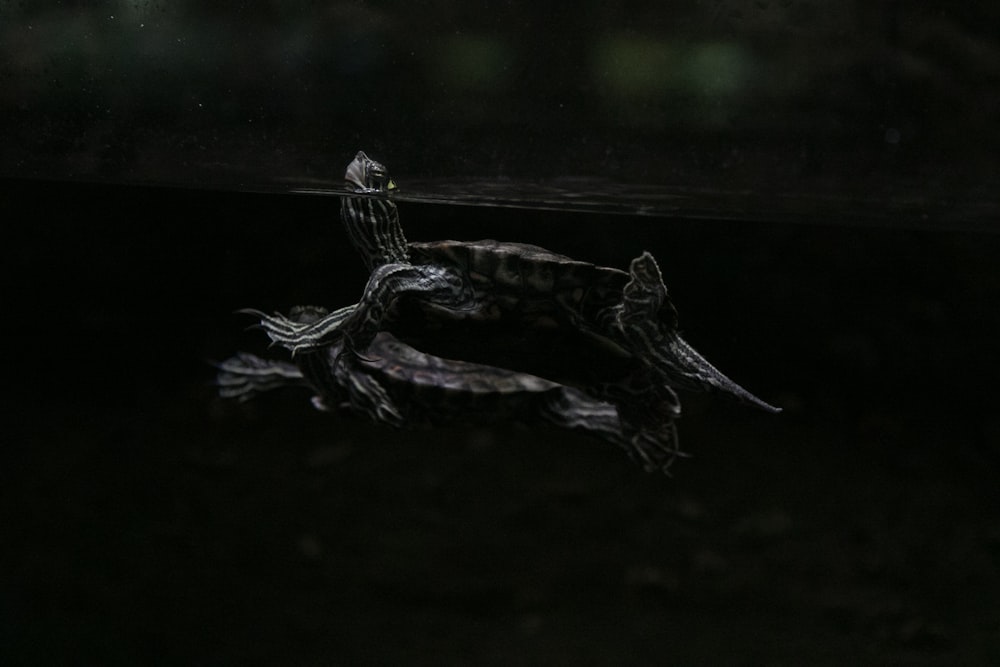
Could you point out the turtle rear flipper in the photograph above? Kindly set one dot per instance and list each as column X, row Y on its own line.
column 648, row 320
column 652, row 443
column 700, row 374
column 367, row 396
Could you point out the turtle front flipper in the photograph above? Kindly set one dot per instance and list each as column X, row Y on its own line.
column 439, row 285
column 357, row 324
column 244, row 376
column 648, row 321
column 297, row 335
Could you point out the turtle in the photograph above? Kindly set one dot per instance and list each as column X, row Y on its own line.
column 403, row 387
column 628, row 315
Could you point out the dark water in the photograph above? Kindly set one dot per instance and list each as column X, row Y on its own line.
column 818, row 182
column 145, row 520
column 728, row 109
column 905, row 210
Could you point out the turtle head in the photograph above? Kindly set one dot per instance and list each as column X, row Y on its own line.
column 371, row 219
column 366, row 175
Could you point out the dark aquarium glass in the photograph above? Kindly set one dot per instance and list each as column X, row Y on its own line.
column 818, row 182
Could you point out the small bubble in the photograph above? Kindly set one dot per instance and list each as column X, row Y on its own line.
column 892, row 136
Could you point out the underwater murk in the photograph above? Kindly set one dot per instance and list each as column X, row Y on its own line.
column 860, row 521
column 613, row 241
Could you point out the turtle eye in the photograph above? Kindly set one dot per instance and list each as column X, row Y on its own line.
column 379, row 180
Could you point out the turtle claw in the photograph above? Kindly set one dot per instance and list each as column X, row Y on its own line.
column 349, row 350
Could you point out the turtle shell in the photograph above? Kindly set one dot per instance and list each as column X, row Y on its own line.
column 395, row 383
column 567, row 355
column 538, row 313
column 531, row 284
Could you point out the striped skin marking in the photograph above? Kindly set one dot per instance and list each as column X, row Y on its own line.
column 244, row 376
column 297, row 336
column 372, row 221
column 402, row 386
column 389, row 282
column 655, row 448
column 373, row 227
column 639, row 320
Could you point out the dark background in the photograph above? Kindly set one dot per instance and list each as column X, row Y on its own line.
column 767, row 109
column 817, row 181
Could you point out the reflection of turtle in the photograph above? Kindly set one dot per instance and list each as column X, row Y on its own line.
column 524, row 287
column 401, row 386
